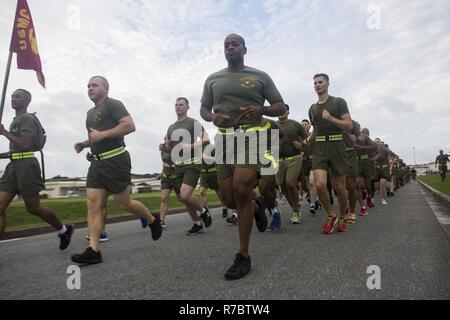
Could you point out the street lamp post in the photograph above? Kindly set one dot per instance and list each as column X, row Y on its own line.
column 414, row 152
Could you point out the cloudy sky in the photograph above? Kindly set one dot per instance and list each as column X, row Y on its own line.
column 389, row 59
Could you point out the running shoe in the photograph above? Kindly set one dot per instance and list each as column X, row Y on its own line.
column 196, row 229
column 240, row 268
column 89, row 256
column 206, row 217
column 342, row 225
column 328, row 227
column 103, row 237
column 64, row 239
column 363, row 212
column 296, row 218
column 351, row 217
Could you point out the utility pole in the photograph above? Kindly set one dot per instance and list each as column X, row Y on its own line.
column 414, row 152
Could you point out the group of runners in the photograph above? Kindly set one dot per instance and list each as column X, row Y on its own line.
column 252, row 158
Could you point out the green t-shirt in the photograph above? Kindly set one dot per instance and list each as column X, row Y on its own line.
column 384, row 157
column 186, row 131
column 104, row 117
column 442, row 159
column 166, row 158
column 226, row 92
column 274, row 149
column 293, row 130
column 24, row 122
column 337, row 107
column 367, row 142
column 307, row 150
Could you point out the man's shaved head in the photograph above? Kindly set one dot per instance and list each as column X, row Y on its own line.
column 26, row 93
column 236, row 36
column 105, row 81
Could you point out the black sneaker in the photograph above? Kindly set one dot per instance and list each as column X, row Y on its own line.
column 317, row 205
column 89, row 256
column 224, row 213
column 260, row 215
column 206, row 217
column 156, row 227
column 240, row 268
column 65, row 238
column 312, row 210
column 196, row 229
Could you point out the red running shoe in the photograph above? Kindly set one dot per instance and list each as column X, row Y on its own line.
column 363, row 212
column 342, row 225
column 328, row 228
column 351, row 217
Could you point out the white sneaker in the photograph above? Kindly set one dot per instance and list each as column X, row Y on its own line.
column 296, row 218
column 384, row 202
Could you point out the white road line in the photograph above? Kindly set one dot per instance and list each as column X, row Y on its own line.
column 11, row 240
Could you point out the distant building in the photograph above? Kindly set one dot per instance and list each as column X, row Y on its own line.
column 66, row 187
column 426, row 169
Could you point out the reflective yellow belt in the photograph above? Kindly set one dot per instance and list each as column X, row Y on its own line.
column 349, row 149
column 210, row 170
column 21, row 155
column 364, row 157
column 293, row 157
column 379, row 166
column 331, row 137
column 185, row 162
column 172, row 176
column 268, row 155
column 108, row 154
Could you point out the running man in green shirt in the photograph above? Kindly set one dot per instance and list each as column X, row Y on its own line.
column 188, row 137
column 107, row 123
column 442, row 160
column 330, row 117
column 290, row 164
column 22, row 175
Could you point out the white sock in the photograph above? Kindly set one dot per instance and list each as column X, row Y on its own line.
column 63, row 230
column 203, row 210
column 235, row 214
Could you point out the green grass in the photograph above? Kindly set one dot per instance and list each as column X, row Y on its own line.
column 74, row 209
column 434, row 181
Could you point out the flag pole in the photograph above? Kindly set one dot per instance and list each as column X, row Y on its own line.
column 5, row 85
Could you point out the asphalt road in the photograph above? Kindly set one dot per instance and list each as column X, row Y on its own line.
column 404, row 239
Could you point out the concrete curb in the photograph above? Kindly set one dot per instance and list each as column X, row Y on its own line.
column 28, row 232
column 445, row 198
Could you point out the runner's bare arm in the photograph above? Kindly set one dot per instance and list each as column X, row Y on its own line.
column 312, row 136
column 207, row 115
column 79, row 146
column 276, row 108
column 23, row 140
column 202, row 142
column 344, row 123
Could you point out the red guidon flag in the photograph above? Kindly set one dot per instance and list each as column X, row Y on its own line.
column 24, row 43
